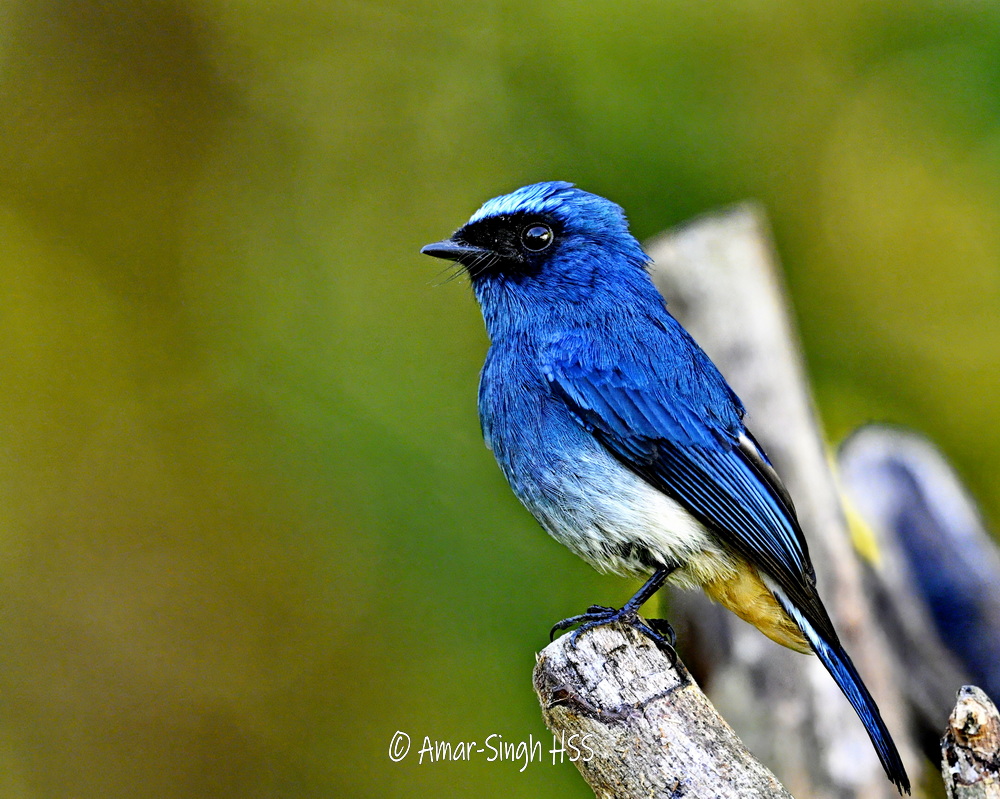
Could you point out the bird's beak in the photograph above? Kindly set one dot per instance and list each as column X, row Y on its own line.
column 452, row 250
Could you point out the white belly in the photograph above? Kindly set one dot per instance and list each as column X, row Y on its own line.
column 619, row 523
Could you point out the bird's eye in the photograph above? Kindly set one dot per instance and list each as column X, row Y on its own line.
column 536, row 237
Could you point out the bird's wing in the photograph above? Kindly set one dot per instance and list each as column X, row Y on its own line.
column 676, row 423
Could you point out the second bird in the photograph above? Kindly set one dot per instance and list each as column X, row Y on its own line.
column 622, row 438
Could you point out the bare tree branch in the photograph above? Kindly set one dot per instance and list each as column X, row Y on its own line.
column 971, row 748
column 721, row 279
column 642, row 726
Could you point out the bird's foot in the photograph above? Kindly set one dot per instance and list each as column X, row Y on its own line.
column 596, row 614
column 657, row 630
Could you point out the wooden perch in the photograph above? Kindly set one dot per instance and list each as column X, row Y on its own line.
column 971, row 748
column 722, row 281
column 643, row 727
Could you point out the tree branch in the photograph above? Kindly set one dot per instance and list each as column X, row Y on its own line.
column 971, row 748
column 642, row 725
column 722, row 280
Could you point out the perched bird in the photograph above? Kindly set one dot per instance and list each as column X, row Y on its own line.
column 622, row 438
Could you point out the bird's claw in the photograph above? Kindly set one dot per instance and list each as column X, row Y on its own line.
column 595, row 613
column 664, row 628
column 658, row 631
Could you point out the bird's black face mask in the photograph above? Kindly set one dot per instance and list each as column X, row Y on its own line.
column 511, row 245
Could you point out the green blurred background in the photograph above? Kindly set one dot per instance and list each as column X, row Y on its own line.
column 248, row 527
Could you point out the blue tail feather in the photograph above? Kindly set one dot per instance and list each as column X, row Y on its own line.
column 838, row 663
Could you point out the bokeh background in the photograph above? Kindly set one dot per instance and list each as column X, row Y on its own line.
column 248, row 527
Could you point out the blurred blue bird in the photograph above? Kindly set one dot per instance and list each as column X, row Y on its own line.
column 622, row 438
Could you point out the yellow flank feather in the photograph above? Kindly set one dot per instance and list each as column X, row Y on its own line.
column 743, row 592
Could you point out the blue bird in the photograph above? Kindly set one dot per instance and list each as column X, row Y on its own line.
column 622, row 438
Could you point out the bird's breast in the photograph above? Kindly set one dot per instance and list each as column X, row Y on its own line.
column 577, row 490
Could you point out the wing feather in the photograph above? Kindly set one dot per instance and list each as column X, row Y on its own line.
column 682, row 431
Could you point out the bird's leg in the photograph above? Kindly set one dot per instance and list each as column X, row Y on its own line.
column 659, row 630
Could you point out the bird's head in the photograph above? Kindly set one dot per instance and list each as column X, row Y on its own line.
column 545, row 246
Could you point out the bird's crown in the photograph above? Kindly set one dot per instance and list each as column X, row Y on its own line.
column 555, row 197
column 537, row 198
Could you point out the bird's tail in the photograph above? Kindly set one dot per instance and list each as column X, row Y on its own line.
column 831, row 653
